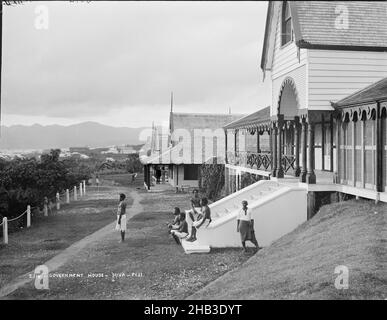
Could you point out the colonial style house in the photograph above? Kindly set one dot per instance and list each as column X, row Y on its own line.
column 326, row 127
column 325, row 132
column 190, row 140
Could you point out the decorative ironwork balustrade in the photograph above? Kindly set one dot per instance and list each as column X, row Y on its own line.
column 259, row 161
column 288, row 162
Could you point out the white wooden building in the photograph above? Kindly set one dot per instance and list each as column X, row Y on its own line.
column 316, row 54
column 191, row 140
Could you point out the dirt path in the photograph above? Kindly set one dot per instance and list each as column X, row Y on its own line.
column 72, row 251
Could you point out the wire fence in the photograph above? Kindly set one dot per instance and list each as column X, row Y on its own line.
column 49, row 203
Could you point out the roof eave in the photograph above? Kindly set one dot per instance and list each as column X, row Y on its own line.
column 236, row 124
column 227, row 126
column 307, row 45
column 339, row 106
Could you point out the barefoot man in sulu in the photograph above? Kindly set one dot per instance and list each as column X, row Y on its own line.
column 121, row 217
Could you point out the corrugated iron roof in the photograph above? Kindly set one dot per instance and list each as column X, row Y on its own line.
column 191, row 121
column 251, row 120
column 375, row 92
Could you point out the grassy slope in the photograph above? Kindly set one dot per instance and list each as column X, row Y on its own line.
column 301, row 264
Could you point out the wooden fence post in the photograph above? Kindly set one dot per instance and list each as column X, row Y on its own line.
column 67, row 196
column 80, row 190
column 5, row 230
column 45, row 207
column 28, row 216
column 75, row 193
column 57, row 201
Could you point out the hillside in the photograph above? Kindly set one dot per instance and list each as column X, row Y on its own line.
column 301, row 264
column 55, row 136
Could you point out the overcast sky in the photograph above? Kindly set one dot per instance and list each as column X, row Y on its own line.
column 117, row 62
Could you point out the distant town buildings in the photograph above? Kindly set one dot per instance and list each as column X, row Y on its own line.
column 120, row 150
column 103, row 153
column 84, row 150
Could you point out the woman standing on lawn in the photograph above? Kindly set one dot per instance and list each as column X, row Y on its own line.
column 245, row 226
column 121, row 217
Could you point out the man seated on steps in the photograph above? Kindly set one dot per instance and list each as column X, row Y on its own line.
column 195, row 205
column 204, row 217
column 176, row 219
column 180, row 231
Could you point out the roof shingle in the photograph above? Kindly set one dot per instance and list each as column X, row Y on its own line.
column 320, row 21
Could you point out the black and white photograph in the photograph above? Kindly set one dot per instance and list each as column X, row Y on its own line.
column 194, row 156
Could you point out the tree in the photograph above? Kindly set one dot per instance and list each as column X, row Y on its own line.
column 211, row 180
column 28, row 181
column 133, row 163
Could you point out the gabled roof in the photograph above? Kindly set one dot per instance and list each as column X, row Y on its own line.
column 315, row 26
column 186, row 151
column 251, row 120
column 163, row 158
column 191, row 121
column 375, row 92
column 366, row 23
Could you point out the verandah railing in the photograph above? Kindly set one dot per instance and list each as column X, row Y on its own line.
column 259, row 161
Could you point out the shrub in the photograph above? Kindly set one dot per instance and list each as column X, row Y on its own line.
column 211, row 180
column 27, row 181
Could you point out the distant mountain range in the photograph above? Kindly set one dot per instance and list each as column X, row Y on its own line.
column 90, row 134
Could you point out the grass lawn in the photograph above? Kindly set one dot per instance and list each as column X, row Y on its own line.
column 48, row 236
column 301, row 264
column 151, row 264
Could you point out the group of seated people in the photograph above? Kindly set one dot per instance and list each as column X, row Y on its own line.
column 199, row 214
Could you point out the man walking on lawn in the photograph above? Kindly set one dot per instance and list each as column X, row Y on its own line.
column 121, row 217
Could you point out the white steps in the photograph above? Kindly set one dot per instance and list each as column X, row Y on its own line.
column 194, row 247
column 269, row 202
column 251, row 198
